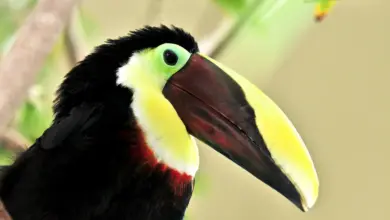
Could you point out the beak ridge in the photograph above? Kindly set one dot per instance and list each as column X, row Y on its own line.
column 227, row 112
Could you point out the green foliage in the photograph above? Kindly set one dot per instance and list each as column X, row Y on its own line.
column 7, row 26
column 6, row 156
column 32, row 120
column 35, row 115
column 233, row 6
column 90, row 26
column 12, row 14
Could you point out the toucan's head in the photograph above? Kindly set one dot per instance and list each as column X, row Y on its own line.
column 177, row 93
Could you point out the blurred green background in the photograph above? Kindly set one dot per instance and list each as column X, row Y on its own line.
column 331, row 78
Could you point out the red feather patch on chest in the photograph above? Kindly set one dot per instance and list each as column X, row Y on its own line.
column 143, row 154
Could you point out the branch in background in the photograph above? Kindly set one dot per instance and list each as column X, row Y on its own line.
column 4, row 213
column 34, row 40
column 74, row 38
column 14, row 141
column 211, row 42
column 214, row 44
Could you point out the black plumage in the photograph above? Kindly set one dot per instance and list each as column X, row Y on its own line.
column 87, row 165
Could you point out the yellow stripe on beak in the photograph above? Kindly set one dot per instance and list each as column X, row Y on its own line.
column 227, row 112
column 282, row 139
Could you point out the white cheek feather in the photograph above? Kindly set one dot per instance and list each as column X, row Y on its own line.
column 122, row 75
column 126, row 73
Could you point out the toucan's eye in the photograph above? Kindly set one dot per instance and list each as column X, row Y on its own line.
column 170, row 57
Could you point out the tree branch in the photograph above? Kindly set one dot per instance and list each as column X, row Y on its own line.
column 34, row 41
column 75, row 39
column 14, row 141
column 212, row 41
column 4, row 213
column 219, row 39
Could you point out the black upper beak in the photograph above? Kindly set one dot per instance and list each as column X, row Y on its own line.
column 218, row 107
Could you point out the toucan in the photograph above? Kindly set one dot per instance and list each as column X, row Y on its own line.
column 122, row 144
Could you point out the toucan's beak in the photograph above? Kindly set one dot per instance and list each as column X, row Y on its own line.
column 224, row 110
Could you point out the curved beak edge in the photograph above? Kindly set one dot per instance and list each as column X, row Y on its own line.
column 228, row 113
